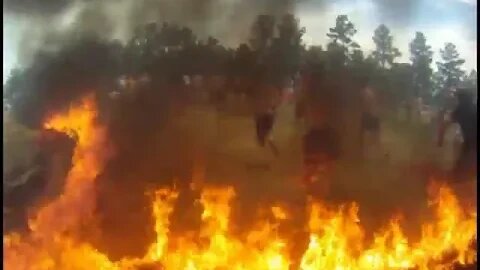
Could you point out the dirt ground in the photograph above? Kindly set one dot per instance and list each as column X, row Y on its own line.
column 222, row 145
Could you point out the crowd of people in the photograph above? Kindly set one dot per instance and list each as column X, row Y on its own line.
column 322, row 143
column 315, row 106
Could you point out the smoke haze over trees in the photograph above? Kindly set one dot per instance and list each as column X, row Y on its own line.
column 85, row 58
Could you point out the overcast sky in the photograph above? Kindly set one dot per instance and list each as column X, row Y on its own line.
column 440, row 20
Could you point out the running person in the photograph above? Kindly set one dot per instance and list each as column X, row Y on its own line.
column 265, row 98
column 266, row 103
column 370, row 122
column 465, row 114
column 320, row 150
column 300, row 94
column 320, row 143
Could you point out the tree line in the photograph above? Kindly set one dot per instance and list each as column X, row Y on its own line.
column 167, row 52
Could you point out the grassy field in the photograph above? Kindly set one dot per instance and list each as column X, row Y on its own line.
column 224, row 144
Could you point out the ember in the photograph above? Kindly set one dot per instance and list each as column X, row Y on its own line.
column 336, row 238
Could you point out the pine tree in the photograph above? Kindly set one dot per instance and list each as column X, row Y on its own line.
column 421, row 58
column 384, row 53
column 342, row 43
column 449, row 67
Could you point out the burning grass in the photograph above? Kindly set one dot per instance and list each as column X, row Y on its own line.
column 336, row 238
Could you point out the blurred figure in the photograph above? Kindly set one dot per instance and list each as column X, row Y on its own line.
column 321, row 142
column 465, row 114
column 266, row 101
column 320, row 152
column 304, row 83
column 370, row 122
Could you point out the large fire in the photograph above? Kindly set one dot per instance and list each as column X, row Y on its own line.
column 336, row 239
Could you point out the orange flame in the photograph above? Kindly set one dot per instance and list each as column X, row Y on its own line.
column 336, row 239
column 48, row 247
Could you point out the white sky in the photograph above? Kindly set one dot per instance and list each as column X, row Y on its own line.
column 365, row 16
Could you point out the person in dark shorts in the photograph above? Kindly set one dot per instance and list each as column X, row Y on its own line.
column 264, row 123
column 320, row 150
column 266, row 99
column 465, row 114
column 370, row 122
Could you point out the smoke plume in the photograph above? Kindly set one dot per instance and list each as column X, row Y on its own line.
column 50, row 22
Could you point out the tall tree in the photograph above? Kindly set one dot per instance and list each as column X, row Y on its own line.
column 449, row 67
column 289, row 30
column 343, row 31
column 337, row 55
column 244, row 61
column 470, row 80
column 286, row 49
column 134, row 52
column 437, row 83
column 13, row 83
column 262, row 31
column 362, row 66
column 341, row 36
column 314, row 55
column 384, row 53
column 400, row 78
column 357, row 57
column 421, row 58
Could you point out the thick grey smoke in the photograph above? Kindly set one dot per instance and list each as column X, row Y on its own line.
column 78, row 34
column 32, row 7
column 49, row 23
